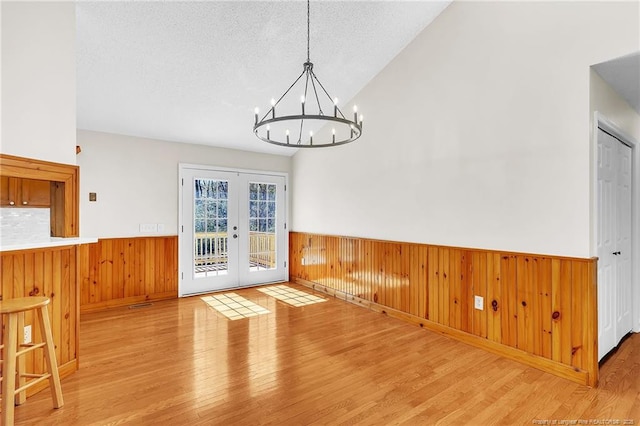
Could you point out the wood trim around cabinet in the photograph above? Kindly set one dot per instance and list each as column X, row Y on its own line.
column 65, row 210
column 537, row 309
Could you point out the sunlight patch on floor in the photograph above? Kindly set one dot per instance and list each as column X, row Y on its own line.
column 291, row 296
column 234, row 306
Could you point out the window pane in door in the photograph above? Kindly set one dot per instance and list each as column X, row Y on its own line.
column 262, row 229
column 210, row 228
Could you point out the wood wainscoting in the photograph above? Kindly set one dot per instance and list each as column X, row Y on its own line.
column 540, row 310
column 124, row 271
column 49, row 272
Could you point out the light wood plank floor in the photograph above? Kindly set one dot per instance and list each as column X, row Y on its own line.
column 179, row 362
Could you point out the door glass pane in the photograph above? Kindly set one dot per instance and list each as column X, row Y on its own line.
column 210, row 228
column 262, row 229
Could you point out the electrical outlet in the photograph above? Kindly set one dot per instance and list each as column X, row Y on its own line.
column 160, row 228
column 302, row 261
column 478, row 303
column 27, row 334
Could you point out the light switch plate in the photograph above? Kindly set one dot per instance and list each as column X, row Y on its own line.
column 148, row 227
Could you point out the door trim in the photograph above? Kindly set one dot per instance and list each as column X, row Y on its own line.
column 600, row 121
column 181, row 167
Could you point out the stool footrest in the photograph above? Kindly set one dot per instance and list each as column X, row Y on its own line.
column 31, row 375
column 30, row 348
column 40, row 377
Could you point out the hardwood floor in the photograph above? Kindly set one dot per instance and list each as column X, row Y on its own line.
column 180, row 362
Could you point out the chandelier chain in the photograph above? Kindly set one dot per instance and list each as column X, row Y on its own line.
column 308, row 37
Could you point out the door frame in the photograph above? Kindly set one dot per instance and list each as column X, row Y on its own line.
column 207, row 167
column 600, row 121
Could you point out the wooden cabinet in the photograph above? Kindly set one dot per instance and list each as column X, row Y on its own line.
column 20, row 192
column 36, row 193
column 8, row 191
column 61, row 181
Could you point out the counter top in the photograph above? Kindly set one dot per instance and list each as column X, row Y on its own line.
column 51, row 242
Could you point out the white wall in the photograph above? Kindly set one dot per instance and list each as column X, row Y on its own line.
column 39, row 80
column 136, row 180
column 476, row 135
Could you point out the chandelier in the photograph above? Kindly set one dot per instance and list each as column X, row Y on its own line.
column 315, row 109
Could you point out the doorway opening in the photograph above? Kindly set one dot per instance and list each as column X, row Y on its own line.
column 616, row 228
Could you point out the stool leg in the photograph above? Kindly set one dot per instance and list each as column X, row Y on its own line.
column 9, row 368
column 50, row 358
column 20, row 363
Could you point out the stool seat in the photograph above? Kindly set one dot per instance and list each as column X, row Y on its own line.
column 21, row 304
column 15, row 379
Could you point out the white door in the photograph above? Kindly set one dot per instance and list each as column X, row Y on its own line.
column 606, row 243
column 614, row 242
column 232, row 231
column 263, row 242
column 624, row 320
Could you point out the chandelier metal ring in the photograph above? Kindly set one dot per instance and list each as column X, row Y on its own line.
column 353, row 126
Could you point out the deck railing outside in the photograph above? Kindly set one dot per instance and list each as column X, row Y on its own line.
column 211, row 249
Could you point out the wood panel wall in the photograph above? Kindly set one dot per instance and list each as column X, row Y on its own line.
column 124, row 271
column 47, row 272
column 540, row 310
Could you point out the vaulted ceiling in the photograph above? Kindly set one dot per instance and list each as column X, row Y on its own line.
column 194, row 71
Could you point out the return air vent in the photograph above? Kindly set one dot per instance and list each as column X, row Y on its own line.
column 140, row 305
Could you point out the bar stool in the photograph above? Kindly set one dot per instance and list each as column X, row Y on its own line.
column 13, row 370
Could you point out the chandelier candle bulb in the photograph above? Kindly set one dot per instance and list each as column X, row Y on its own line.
column 355, row 113
column 268, row 131
column 335, row 107
column 333, row 134
column 302, row 101
column 273, row 108
column 256, row 111
column 311, row 137
column 287, row 133
column 361, row 120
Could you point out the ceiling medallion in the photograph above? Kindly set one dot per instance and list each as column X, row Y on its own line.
column 296, row 130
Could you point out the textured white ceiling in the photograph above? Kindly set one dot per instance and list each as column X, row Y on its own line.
column 623, row 74
column 194, row 71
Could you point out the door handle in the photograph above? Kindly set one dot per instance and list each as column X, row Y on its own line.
column 616, row 253
column 235, row 235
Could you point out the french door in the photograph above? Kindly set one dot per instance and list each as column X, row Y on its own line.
column 614, row 242
column 232, row 231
